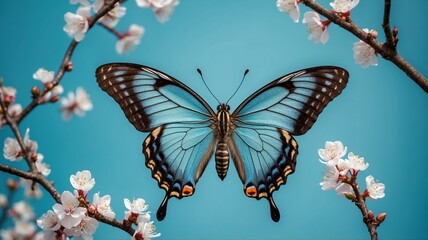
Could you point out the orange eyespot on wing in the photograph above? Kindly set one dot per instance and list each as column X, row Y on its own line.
column 250, row 191
column 187, row 191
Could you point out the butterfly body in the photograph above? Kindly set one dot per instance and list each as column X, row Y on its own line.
column 224, row 127
column 184, row 132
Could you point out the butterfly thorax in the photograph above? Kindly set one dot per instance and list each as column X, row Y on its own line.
column 224, row 130
column 223, row 120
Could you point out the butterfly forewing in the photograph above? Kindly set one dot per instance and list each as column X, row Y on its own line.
column 294, row 101
column 150, row 98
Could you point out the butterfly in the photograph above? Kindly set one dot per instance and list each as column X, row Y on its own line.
column 184, row 131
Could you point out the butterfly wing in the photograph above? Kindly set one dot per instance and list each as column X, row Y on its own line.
column 181, row 140
column 262, row 146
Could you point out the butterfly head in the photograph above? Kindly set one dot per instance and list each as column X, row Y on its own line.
column 223, row 107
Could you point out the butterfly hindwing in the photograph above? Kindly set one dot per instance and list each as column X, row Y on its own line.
column 266, row 155
column 263, row 148
column 177, row 154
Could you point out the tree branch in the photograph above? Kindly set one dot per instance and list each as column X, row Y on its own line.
column 65, row 61
column 384, row 50
column 386, row 26
column 36, row 177
column 361, row 204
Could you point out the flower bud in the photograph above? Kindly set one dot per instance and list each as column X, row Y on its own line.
column 373, row 33
column 35, row 91
column 49, row 85
column 370, row 215
column 33, row 156
column 395, row 31
column 350, row 196
column 92, row 209
column 68, row 66
column 54, row 99
column 381, row 217
column 12, row 184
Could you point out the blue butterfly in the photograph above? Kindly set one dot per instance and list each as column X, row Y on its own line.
column 185, row 132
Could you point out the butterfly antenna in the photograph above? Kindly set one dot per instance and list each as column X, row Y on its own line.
column 203, row 80
column 242, row 81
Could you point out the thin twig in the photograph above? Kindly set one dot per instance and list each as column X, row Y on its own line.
column 385, row 51
column 361, row 204
column 112, row 30
column 36, row 177
column 65, row 61
column 14, row 126
column 386, row 25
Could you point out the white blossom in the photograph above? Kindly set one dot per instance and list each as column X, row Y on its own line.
column 47, row 77
column 291, row 7
column 44, row 75
column 343, row 189
column 49, row 221
column 41, row 236
column 146, row 230
column 364, row 54
column 12, row 150
column 8, row 94
column 102, row 204
column 42, row 167
column 344, row 6
column 85, row 229
column 3, row 201
column 82, row 181
column 376, row 190
column 112, row 17
column 77, row 24
column 317, row 30
column 22, row 210
column 24, row 229
column 330, row 179
column 82, row 2
column 356, row 163
column 164, row 13
column 7, row 234
column 13, row 110
column 163, row 9
column 130, row 39
column 88, row 226
column 78, row 104
column 153, row 3
column 138, row 206
column 69, row 212
column 332, row 153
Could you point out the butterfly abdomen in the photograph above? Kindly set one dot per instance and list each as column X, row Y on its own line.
column 222, row 159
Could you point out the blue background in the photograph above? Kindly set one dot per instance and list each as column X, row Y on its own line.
column 382, row 114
